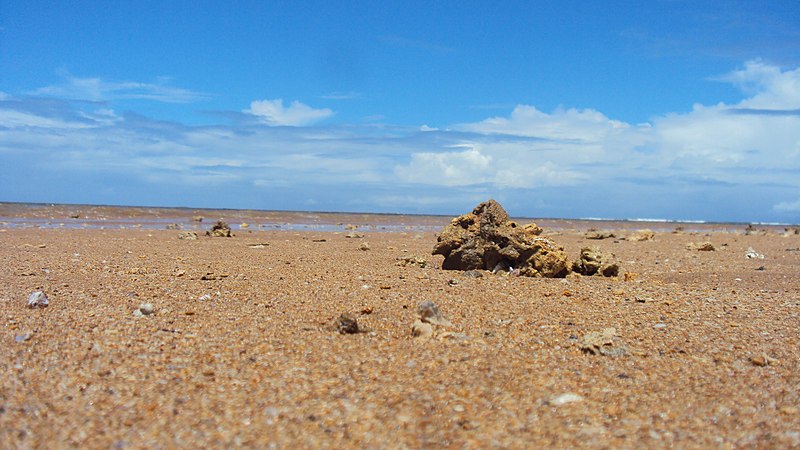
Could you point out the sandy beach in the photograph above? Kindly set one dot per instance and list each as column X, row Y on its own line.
column 240, row 347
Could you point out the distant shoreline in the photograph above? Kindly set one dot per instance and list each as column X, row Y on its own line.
column 51, row 215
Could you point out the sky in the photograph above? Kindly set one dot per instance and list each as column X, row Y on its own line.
column 678, row 110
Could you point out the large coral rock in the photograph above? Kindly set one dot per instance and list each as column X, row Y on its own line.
column 487, row 239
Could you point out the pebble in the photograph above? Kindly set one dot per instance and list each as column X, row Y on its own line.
column 473, row 274
column 421, row 329
column 346, row 324
column 22, row 337
column 363, row 246
column 601, row 343
column 659, row 326
column 38, row 299
column 145, row 309
column 763, row 360
column 701, row 247
column 429, row 312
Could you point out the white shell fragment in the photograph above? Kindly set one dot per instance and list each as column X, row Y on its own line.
column 752, row 254
column 145, row 309
column 563, row 399
column 38, row 299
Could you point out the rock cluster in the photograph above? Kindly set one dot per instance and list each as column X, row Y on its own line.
column 593, row 261
column 701, row 246
column 187, row 235
column 487, row 239
column 219, row 229
column 641, row 235
column 598, row 235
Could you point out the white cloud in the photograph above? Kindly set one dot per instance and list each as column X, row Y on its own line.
column 98, row 89
column 526, row 120
column 756, row 140
column 350, row 95
column 20, row 119
column 273, row 112
column 724, row 160
column 789, row 207
column 769, row 86
column 459, row 168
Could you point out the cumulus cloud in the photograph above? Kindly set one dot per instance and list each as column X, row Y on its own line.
column 729, row 152
column 754, row 140
column 768, row 86
column 455, row 168
column 273, row 112
column 501, row 164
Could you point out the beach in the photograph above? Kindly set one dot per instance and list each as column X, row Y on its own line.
column 152, row 341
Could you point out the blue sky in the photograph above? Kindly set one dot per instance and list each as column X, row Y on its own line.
column 661, row 109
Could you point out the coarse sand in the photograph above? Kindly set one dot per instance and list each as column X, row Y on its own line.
column 242, row 347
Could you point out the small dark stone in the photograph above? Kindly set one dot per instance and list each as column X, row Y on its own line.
column 346, row 324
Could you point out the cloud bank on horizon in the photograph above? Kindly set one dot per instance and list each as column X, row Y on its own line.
column 727, row 162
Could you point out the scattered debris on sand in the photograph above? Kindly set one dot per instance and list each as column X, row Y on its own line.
column 354, row 235
column 174, row 226
column 187, row 235
column 701, row 246
column 197, row 219
column 38, row 299
column 594, row 262
column 364, row 246
column 487, row 239
column 641, row 235
column 219, row 229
